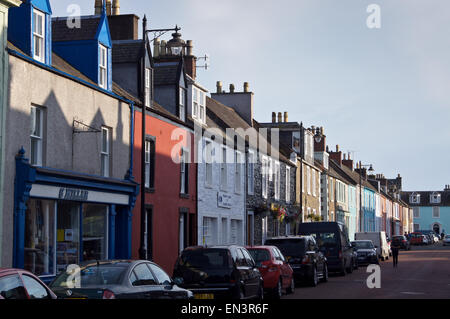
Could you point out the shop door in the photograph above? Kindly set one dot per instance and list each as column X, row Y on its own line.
column 68, row 235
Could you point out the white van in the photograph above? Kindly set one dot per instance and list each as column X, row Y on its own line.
column 379, row 241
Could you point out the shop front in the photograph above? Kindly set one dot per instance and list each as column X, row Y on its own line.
column 63, row 218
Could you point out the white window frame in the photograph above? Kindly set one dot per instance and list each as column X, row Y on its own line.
column 264, row 177
column 288, row 184
column 147, row 162
column 237, row 172
column 184, row 159
column 40, row 36
column 208, row 163
column 223, row 170
column 37, row 136
column 251, row 173
column 313, row 182
column 182, row 110
column 308, row 179
column 195, row 102
column 436, row 209
column 105, row 154
column 147, row 86
column 414, row 198
column 435, row 198
column 103, row 67
column 277, row 182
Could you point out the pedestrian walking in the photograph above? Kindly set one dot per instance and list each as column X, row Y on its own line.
column 395, row 248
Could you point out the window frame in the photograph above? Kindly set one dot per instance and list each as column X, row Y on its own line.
column 223, row 170
column 147, row 83
column 38, row 139
column 103, row 68
column 238, row 172
column 184, row 171
column 42, row 37
column 288, row 184
column 105, row 156
column 182, row 103
column 251, row 173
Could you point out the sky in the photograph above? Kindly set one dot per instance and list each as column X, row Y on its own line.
column 381, row 93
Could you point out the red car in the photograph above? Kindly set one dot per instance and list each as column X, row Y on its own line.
column 417, row 239
column 276, row 272
column 22, row 284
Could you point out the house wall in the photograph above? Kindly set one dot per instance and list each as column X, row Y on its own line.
column 63, row 100
column 165, row 201
column 426, row 219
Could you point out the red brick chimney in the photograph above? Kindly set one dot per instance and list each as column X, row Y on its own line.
column 321, row 146
column 348, row 162
column 190, row 61
column 336, row 156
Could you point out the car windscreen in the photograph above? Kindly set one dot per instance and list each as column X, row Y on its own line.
column 363, row 244
column 91, row 276
column 259, row 255
column 326, row 240
column 205, row 258
column 289, row 247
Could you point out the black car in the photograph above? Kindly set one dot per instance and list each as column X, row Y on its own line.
column 332, row 238
column 303, row 255
column 366, row 251
column 114, row 279
column 401, row 241
column 216, row 272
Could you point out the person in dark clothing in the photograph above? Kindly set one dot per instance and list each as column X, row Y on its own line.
column 395, row 248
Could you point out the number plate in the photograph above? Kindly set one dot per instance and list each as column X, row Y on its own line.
column 204, row 296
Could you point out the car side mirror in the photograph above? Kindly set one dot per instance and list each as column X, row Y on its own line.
column 178, row 281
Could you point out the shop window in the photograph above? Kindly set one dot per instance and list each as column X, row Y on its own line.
column 95, row 227
column 68, row 235
column 39, row 245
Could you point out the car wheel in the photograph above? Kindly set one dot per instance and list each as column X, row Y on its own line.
column 291, row 288
column 314, row 280
column 325, row 273
column 278, row 292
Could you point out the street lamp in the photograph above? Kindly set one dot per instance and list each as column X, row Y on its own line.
column 361, row 225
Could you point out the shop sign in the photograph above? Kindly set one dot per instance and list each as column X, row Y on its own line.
column 73, row 194
column 224, row 200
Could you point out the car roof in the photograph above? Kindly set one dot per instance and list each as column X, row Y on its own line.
column 265, row 247
column 290, row 237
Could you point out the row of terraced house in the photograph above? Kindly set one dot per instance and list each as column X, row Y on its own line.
column 111, row 148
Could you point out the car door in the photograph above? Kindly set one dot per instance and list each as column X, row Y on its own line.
column 11, row 287
column 254, row 274
column 144, row 283
column 167, row 288
column 244, row 272
column 284, row 267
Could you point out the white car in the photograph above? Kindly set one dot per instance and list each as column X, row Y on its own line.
column 446, row 240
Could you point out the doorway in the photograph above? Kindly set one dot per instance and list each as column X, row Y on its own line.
column 437, row 229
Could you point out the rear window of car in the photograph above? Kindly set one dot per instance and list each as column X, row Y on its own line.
column 259, row 255
column 91, row 276
column 363, row 244
column 289, row 247
column 205, row 258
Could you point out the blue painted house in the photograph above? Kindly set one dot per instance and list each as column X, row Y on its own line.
column 72, row 188
column 431, row 210
column 368, row 206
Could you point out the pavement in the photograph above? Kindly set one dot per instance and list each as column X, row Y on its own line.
column 422, row 273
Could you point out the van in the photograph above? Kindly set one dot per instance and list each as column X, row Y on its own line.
column 379, row 241
column 332, row 239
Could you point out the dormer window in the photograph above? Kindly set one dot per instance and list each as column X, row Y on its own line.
column 198, row 105
column 435, row 198
column 103, row 74
column 182, row 104
column 38, row 36
column 414, row 198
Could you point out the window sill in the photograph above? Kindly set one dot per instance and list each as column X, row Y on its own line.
column 184, row 196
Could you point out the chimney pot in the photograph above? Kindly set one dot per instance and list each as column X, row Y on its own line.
column 116, row 8
column 274, row 117
column 246, row 87
column 286, row 117
column 98, row 7
column 231, row 88
column 280, row 119
column 108, row 7
column 156, row 47
column 162, row 48
column 189, row 47
column 219, row 87
column 337, row 148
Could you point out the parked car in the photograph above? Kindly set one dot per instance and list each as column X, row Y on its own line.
column 117, row 279
column 446, row 240
column 302, row 253
column 417, row 239
column 379, row 241
column 22, row 284
column 333, row 242
column 402, row 242
column 367, row 253
column 216, row 272
column 275, row 270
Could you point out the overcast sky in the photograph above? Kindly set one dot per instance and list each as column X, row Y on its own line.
column 383, row 94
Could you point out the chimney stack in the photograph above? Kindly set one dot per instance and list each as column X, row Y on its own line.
column 162, row 48
column 246, row 87
column 116, row 8
column 274, row 117
column 190, row 61
column 219, row 87
column 336, row 156
column 231, row 88
column 108, row 7
column 280, row 118
column 286, row 117
column 98, row 7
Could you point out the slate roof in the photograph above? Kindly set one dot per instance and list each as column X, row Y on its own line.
column 425, row 198
column 166, row 73
column 127, row 51
column 353, row 175
column 88, row 30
